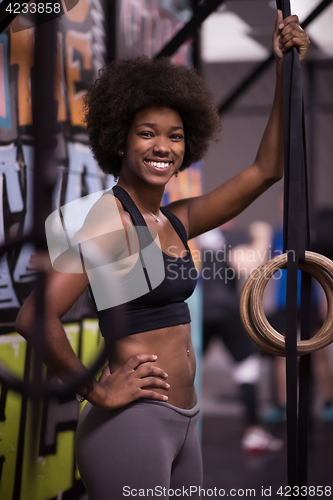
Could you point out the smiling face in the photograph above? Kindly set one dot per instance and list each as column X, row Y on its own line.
column 155, row 146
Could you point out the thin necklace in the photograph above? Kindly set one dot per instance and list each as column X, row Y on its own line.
column 146, row 209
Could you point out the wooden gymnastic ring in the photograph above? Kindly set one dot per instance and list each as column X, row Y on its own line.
column 321, row 339
column 255, row 321
column 246, row 318
column 315, row 266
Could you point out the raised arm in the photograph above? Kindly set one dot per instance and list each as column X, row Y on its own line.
column 205, row 212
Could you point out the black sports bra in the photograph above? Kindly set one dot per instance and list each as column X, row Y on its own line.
column 164, row 305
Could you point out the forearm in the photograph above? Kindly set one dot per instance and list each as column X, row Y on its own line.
column 269, row 159
column 59, row 357
column 65, row 364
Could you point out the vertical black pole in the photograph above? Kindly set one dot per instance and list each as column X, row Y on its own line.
column 22, row 429
column 196, row 43
column 44, row 123
column 311, row 138
column 110, row 7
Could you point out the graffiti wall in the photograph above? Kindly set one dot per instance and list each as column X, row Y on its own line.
column 80, row 52
column 152, row 24
column 144, row 26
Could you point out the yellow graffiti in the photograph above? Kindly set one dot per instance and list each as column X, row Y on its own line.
column 82, row 43
column 42, row 477
column 60, row 82
column 22, row 54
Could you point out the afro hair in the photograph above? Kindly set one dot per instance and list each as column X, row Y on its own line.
column 125, row 87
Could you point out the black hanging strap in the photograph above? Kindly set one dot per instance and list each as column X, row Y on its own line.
column 296, row 241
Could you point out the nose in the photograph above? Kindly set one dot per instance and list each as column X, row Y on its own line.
column 161, row 146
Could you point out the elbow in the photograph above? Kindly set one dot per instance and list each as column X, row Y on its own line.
column 270, row 173
column 272, row 178
column 278, row 175
column 23, row 324
column 275, row 178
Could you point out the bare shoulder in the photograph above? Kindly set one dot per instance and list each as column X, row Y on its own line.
column 106, row 215
column 104, row 235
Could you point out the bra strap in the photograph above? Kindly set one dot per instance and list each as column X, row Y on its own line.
column 139, row 222
column 141, row 228
column 177, row 225
column 129, row 205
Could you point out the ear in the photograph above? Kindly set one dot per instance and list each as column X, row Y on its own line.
column 121, row 150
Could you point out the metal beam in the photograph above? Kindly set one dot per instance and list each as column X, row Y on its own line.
column 244, row 84
column 201, row 13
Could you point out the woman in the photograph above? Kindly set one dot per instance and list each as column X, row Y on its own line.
column 148, row 120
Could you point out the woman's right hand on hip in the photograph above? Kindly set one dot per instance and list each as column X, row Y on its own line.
column 131, row 382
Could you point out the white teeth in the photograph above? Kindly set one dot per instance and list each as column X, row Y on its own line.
column 158, row 164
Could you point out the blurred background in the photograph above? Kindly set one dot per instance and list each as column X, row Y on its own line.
column 242, row 391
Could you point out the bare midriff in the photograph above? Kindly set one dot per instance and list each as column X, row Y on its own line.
column 174, row 351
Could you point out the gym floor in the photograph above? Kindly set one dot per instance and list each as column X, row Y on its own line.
column 225, row 465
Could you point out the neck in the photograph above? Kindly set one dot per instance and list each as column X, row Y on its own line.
column 148, row 196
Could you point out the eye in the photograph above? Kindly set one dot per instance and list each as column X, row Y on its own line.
column 177, row 137
column 146, row 134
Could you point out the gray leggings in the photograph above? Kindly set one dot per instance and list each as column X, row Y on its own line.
column 148, row 445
